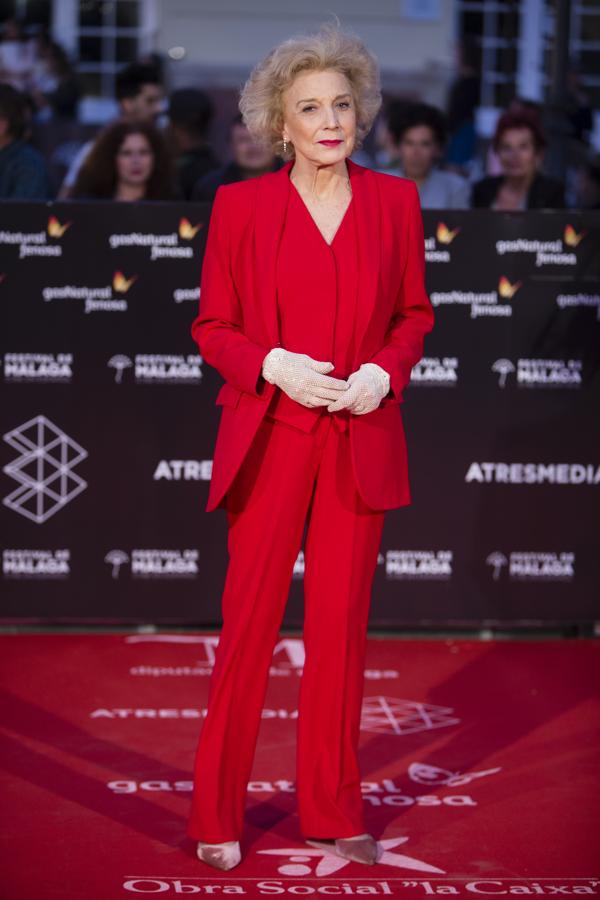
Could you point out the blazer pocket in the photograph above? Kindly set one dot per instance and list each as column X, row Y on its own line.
column 228, row 396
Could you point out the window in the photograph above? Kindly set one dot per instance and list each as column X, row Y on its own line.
column 585, row 47
column 103, row 36
column 496, row 27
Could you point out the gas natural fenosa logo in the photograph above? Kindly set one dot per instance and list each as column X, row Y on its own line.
column 121, row 284
column 552, row 252
column 183, row 295
column 96, row 299
column 443, row 237
column 160, row 246
column 444, row 234
column 55, row 228
column 579, row 300
column 506, row 289
column 35, row 243
column 571, row 237
column 187, row 231
column 481, row 303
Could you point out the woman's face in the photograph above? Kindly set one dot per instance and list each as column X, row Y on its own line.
column 319, row 116
column 517, row 153
column 418, row 151
column 134, row 160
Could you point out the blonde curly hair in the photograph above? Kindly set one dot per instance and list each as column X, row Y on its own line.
column 261, row 103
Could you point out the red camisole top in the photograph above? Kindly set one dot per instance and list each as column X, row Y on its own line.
column 316, row 300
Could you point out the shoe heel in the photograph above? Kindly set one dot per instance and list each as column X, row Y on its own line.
column 223, row 856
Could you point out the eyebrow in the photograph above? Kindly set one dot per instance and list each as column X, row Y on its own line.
column 313, row 99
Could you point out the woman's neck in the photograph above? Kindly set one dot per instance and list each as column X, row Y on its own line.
column 419, row 180
column 130, row 192
column 519, row 184
column 320, row 181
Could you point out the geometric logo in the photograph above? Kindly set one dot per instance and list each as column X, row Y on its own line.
column 392, row 715
column 44, row 469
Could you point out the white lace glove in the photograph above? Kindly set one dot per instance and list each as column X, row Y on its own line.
column 302, row 377
column 368, row 386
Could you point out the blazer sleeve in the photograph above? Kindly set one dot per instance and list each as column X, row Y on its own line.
column 413, row 312
column 218, row 327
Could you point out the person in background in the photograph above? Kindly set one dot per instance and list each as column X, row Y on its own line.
column 250, row 159
column 129, row 161
column 17, row 56
column 54, row 85
column 462, row 103
column 579, row 107
column 140, row 96
column 190, row 114
column 23, row 172
column 386, row 149
column 155, row 61
column 587, row 184
column 519, row 143
column 419, row 132
column 492, row 162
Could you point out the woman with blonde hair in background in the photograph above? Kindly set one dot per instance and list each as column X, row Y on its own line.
column 313, row 309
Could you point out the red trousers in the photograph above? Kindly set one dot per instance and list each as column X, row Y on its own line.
column 288, row 478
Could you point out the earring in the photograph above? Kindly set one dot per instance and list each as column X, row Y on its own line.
column 284, row 145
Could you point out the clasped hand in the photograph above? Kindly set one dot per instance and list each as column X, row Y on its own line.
column 304, row 379
column 367, row 388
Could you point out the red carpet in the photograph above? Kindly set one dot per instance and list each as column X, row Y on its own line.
column 480, row 763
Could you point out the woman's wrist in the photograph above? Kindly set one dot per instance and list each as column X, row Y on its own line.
column 271, row 363
column 382, row 376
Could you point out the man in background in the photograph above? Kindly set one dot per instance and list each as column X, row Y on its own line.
column 140, row 96
column 419, row 133
column 23, row 172
column 250, row 159
column 190, row 113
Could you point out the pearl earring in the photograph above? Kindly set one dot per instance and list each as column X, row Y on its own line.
column 284, row 145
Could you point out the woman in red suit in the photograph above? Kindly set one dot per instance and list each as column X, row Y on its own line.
column 313, row 309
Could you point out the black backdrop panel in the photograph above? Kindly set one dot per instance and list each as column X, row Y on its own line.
column 109, row 422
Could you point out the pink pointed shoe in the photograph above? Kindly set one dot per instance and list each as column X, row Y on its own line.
column 220, row 856
column 361, row 848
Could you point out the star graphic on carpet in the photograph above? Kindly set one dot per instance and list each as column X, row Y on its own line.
column 329, row 862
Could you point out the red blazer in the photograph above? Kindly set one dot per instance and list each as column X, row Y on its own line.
column 237, row 323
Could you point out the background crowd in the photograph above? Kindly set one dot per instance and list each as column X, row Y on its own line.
column 160, row 145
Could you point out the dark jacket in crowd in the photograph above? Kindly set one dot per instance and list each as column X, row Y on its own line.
column 206, row 187
column 544, row 192
column 23, row 173
column 193, row 165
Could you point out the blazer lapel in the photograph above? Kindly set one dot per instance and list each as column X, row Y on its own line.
column 368, row 224
column 271, row 205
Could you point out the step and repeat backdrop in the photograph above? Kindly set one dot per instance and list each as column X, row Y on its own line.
column 109, row 422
